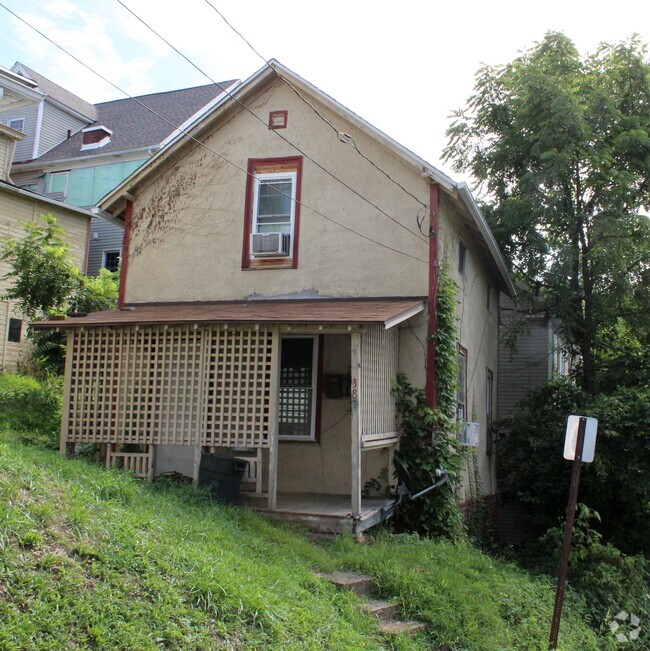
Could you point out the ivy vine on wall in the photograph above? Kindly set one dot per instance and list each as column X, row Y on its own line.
column 429, row 436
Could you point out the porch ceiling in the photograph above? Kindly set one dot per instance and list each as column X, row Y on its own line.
column 387, row 311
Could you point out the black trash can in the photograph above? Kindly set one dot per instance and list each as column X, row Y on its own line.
column 222, row 476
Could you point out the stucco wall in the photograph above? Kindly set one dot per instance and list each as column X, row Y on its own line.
column 188, row 227
column 195, row 214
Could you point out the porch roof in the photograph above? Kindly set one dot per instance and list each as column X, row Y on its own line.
column 387, row 311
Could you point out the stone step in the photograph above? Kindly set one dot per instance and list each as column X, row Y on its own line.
column 395, row 627
column 358, row 583
column 382, row 610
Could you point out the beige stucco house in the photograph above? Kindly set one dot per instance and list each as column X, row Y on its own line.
column 281, row 264
column 18, row 205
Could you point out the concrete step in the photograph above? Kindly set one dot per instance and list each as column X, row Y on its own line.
column 358, row 583
column 395, row 627
column 382, row 610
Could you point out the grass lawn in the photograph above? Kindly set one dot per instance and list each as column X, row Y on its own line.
column 92, row 559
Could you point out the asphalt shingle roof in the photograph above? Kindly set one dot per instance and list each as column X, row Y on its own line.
column 135, row 127
column 60, row 94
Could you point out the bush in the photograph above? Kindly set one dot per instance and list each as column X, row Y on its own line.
column 32, row 407
column 533, row 471
column 608, row 580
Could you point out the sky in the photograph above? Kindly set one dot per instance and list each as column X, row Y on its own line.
column 403, row 66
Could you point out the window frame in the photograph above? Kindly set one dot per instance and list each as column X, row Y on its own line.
column 21, row 119
column 316, row 386
column 57, row 174
column 119, row 258
column 12, row 339
column 489, row 410
column 462, row 258
column 260, row 169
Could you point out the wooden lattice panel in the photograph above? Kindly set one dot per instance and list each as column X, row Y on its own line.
column 237, row 387
column 378, row 372
column 170, row 385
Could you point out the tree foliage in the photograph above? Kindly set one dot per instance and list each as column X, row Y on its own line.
column 44, row 281
column 560, row 145
column 429, row 436
column 532, row 468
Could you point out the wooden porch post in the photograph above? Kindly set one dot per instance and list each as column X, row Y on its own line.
column 67, row 381
column 274, row 396
column 355, row 354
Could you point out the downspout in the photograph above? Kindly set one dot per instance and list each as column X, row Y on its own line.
column 125, row 253
column 431, row 388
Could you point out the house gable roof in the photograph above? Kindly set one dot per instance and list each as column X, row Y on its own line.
column 56, row 92
column 113, row 202
column 134, row 127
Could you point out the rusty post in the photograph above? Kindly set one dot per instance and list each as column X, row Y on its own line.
column 568, row 533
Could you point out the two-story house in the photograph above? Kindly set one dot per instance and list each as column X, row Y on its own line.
column 280, row 268
column 77, row 152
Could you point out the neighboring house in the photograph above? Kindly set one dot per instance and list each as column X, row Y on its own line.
column 532, row 350
column 266, row 306
column 87, row 159
column 19, row 205
column 47, row 114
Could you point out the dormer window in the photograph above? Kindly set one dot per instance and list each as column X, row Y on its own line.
column 95, row 137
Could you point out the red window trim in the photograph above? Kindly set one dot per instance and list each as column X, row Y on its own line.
column 273, row 114
column 261, row 166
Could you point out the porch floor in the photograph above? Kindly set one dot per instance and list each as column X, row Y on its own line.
column 323, row 513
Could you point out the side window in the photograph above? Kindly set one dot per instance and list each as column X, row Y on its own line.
column 489, row 401
column 111, row 260
column 272, row 217
column 462, row 258
column 16, row 123
column 461, row 388
column 58, row 183
column 15, row 330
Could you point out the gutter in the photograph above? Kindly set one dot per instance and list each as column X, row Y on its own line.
column 34, row 196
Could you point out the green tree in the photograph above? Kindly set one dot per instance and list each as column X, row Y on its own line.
column 560, row 145
column 44, row 280
column 42, row 275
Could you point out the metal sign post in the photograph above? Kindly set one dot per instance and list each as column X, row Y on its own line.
column 577, row 451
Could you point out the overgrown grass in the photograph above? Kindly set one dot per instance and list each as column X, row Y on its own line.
column 91, row 558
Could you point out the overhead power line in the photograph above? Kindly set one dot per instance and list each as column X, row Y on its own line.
column 198, row 142
column 347, row 137
column 277, row 133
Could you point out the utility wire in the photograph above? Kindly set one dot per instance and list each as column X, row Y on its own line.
column 278, row 133
column 348, row 138
column 201, row 144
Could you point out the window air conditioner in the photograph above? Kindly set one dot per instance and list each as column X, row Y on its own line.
column 469, row 434
column 270, row 245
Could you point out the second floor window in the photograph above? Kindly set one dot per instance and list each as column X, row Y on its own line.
column 272, row 213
